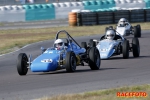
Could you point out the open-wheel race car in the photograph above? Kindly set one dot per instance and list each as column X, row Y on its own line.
column 112, row 44
column 66, row 53
column 124, row 28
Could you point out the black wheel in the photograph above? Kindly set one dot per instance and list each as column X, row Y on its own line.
column 139, row 30
column 84, row 45
column 94, row 58
column 136, row 33
column 110, row 27
column 92, row 43
column 22, row 64
column 70, row 63
column 135, row 47
column 106, row 29
column 125, row 49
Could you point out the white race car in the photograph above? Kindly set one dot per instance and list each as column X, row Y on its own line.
column 126, row 29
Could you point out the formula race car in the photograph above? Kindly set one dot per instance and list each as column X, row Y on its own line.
column 66, row 53
column 112, row 44
column 124, row 28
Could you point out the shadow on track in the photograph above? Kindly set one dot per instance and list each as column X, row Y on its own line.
column 77, row 71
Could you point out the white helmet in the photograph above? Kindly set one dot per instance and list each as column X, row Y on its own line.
column 122, row 22
column 110, row 34
column 59, row 44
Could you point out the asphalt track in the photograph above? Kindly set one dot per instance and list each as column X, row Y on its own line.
column 114, row 72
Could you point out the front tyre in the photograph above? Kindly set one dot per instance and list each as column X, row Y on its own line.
column 92, row 43
column 139, row 30
column 70, row 62
column 22, row 64
column 125, row 49
column 94, row 58
column 135, row 47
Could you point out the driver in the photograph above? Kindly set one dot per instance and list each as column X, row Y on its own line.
column 110, row 34
column 122, row 22
column 59, row 44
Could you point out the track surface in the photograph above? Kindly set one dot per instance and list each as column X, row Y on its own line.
column 114, row 72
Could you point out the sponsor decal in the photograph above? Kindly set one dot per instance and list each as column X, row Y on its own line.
column 47, row 60
column 48, row 52
column 131, row 94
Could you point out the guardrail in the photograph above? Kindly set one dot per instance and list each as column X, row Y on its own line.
column 111, row 17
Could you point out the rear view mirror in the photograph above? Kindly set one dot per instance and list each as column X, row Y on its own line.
column 43, row 49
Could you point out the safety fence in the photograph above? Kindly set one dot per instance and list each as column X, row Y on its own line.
column 111, row 17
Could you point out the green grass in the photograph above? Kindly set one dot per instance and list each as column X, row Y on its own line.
column 109, row 94
column 13, row 39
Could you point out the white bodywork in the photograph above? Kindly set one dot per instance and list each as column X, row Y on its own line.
column 124, row 31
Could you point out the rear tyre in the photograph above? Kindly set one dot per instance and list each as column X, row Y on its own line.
column 139, row 30
column 94, row 58
column 22, row 64
column 136, row 33
column 125, row 49
column 70, row 62
column 135, row 47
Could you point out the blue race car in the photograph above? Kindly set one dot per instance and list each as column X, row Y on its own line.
column 66, row 53
column 112, row 44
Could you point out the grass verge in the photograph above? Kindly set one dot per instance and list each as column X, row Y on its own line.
column 109, row 94
column 13, row 39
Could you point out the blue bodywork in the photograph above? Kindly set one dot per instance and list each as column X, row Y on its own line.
column 106, row 48
column 49, row 60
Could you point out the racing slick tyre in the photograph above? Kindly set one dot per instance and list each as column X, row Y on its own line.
column 139, row 30
column 135, row 47
column 70, row 63
column 84, row 45
column 92, row 43
column 94, row 58
column 22, row 64
column 136, row 33
column 125, row 49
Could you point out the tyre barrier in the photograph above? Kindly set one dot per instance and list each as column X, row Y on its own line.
column 112, row 17
column 89, row 18
column 105, row 17
column 121, row 14
column 147, row 15
column 137, row 15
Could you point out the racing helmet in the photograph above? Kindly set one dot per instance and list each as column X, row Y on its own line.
column 59, row 44
column 110, row 34
column 122, row 22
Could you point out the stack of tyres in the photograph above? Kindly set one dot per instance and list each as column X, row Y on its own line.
column 147, row 11
column 88, row 18
column 121, row 14
column 72, row 19
column 137, row 15
column 105, row 17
